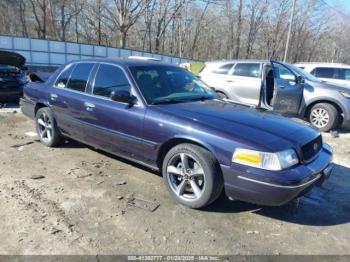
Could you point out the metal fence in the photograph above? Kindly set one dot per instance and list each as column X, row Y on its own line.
column 53, row 53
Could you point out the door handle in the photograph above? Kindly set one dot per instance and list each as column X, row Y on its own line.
column 89, row 106
column 53, row 97
column 230, row 81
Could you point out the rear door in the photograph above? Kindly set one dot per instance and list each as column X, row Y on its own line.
column 245, row 83
column 68, row 99
column 288, row 89
column 217, row 76
column 57, row 98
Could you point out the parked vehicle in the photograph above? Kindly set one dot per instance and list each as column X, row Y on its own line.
column 12, row 76
column 163, row 117
column 331, row 72
column 275, row 85
column 146, row 58
column 43, row 72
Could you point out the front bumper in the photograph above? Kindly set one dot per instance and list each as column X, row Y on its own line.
column 275, row 188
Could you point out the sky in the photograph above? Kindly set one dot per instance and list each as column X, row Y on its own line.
column 344, row 4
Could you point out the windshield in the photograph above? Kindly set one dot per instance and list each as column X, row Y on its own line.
column 169, row 84
column 303, row 73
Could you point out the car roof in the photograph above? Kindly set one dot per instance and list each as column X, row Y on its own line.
column 319, row 64
column 238, row 61
column 126, row 62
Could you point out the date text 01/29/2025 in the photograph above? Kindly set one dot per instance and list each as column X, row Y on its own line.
column 172, row 258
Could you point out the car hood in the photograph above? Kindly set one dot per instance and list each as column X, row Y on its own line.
column 246, row 125
column 11, row 58
column 331, row 86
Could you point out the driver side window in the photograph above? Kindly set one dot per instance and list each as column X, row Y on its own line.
column 283, row 73
column 110, row 78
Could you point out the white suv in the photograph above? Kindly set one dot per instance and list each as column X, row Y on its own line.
column 330, row 72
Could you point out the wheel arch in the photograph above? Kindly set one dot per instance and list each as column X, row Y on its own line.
column 38, row 105
column 166, row 146
column 323, row 101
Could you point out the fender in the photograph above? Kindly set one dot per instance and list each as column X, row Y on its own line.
column 189, row 139
column 325, row 99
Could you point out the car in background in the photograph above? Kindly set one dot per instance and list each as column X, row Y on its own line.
column 165, row 118
column 331, row 72
column 275, row 85
column 12, row 76
column 41, row 71
column 145, row 58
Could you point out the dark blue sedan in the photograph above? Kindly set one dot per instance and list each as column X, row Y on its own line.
column 163, row 117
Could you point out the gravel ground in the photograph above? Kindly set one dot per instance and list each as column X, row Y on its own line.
column 76, row 200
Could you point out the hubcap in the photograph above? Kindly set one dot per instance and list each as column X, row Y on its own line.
column 319, row 117
column 185, row 177
column 45, row 128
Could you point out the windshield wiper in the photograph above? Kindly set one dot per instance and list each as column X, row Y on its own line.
column 168, row 101
column 201, row 98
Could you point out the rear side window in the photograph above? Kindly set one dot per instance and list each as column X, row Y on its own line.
column 247, row 69
column 343, row 74
column 108, row 79
column 324, row 72
column 62, row 80
column 80, row 76
column 224, row 69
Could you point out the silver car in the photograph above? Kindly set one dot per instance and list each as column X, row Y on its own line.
column 280, row 87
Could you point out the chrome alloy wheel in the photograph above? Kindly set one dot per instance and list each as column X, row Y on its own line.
column 319, row 117
column 45, row 128
column 185, row 177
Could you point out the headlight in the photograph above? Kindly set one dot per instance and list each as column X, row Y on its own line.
column 345, row 94
column 265, row 160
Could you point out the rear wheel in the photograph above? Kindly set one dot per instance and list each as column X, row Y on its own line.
column 324, row 116
column 46, row 127
column 192, row 175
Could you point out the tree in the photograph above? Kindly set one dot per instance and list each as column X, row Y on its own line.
column 40, row 10
column 257, row 10
column 166, row 12
column 125, row 14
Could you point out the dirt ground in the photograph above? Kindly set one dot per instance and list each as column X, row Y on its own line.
column 76, row 200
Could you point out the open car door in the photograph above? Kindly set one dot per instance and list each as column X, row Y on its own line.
column 288, row 89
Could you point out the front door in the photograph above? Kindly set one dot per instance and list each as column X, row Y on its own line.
column 288, row 89
column 114, row 126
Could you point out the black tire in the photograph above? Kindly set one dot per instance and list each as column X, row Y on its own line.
column 212, row 178
column 332, row 115
column 222, row 95
column 55, row 138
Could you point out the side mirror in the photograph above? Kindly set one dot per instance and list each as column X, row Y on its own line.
column 300, row 80
column 123, row 96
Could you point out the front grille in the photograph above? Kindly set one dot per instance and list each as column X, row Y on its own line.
column 311, row 149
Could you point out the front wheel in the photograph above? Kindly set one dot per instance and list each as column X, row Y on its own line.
column 324, row 116
column 192, row 175
column 46, row 127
